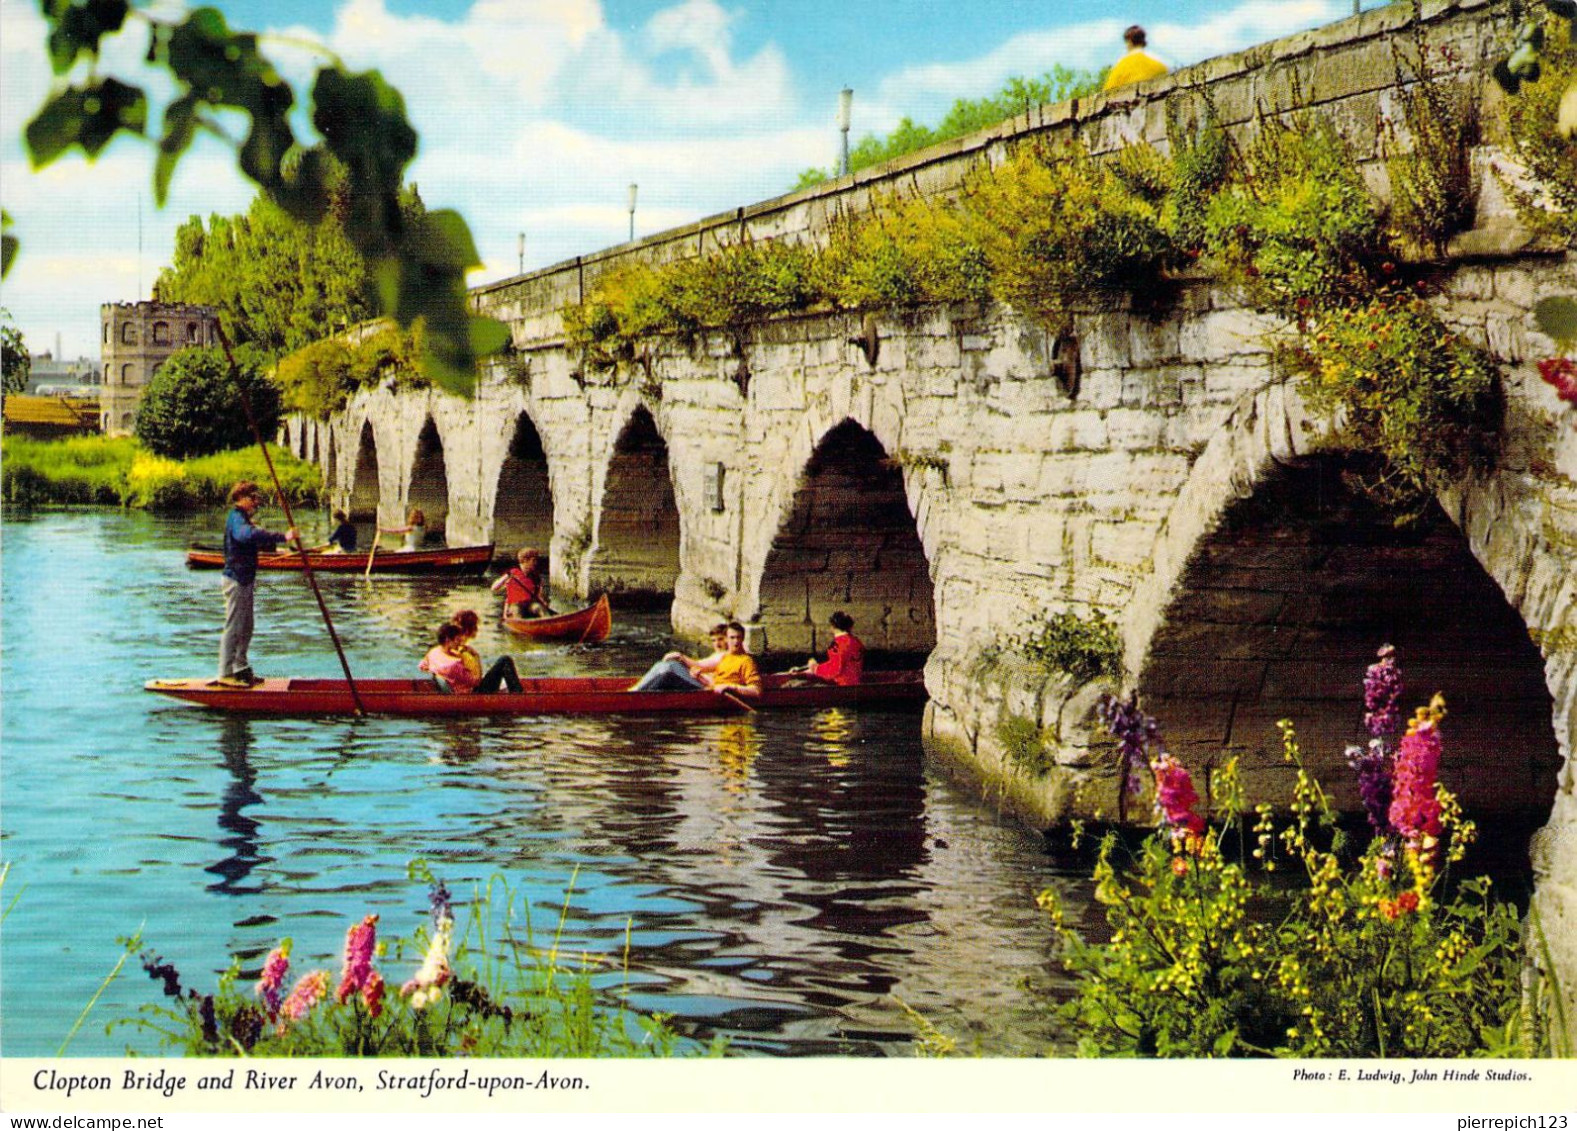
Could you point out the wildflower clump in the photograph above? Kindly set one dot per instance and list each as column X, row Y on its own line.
column 461, row 1000
column 1371, row 953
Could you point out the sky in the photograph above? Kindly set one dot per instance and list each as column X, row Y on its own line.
column 535, row 115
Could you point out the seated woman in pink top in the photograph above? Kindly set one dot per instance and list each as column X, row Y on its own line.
column 447, row 663
column 845, row 662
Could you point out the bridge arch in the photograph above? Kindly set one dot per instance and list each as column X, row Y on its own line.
column 365, row 494
column 847, row 538
column 522, row 502
column 636, row 532
column 427, row 487
column 1290, row 583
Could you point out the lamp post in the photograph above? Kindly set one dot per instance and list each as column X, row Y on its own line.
column 845, row 113
column 520, row 249
column 632, row 211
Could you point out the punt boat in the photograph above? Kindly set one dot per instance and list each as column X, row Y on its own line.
column 451, row 560
column 584, row 626
column 544, row 696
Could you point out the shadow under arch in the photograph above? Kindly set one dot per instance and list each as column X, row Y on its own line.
column 523, row 494
column 429, row 486
column 364, row 490
column 1283, row 603
column 636, row 547
column 849, row 542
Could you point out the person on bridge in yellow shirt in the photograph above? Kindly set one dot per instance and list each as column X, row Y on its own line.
column 1137, row 65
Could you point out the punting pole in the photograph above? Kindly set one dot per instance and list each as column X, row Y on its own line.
column 284, row 503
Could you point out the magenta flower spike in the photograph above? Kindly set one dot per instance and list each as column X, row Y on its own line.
column 1415, row 810
column 361, row 943
column 274, row 970
column 1382, row 692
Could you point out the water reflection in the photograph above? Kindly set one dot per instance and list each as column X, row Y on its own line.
column 776, row 877
column 235, row 747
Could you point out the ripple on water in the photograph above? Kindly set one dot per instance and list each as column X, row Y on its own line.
column 784, row 880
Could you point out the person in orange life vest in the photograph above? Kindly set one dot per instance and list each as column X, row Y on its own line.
column 523, row 587
column 447, row 663
column 686, row 672
column 845, row 662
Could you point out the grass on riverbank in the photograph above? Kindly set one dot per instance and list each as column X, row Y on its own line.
column 118, row 471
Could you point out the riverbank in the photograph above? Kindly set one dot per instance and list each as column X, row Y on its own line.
column 118, row 471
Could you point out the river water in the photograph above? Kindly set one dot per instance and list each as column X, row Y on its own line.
column 784, row 880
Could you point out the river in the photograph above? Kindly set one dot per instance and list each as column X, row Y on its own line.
column 783, row 879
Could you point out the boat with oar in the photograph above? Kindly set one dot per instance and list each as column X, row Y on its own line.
column 584, row 626
column 599, row 695
column 450, row 560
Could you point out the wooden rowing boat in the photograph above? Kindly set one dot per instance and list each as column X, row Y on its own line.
column 545, row 696
column 453, row 559
column 584, row 626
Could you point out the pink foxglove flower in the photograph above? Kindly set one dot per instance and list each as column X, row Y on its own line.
column 372, row 994
column 274, row 971
column 307, row 992
column 428, row 985
column 1415, row 810
column 1175, row 797
column 361, row 943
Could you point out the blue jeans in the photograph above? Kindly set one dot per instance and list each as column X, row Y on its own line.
column 668, row 675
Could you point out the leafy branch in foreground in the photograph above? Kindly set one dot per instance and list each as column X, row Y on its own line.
column 419, row 263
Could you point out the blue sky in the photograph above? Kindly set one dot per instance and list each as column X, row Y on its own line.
column 535, row 114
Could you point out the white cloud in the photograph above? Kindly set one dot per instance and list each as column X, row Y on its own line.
column 1094, row 44
column 534, row 115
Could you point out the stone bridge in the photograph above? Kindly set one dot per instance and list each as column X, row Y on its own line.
column 949, row 475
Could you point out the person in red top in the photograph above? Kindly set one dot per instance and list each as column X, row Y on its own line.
column 523, row 587
column 845, row 662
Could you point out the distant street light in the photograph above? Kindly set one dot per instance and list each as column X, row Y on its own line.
column 632, row 211
column 845, row 115
column 520, row 248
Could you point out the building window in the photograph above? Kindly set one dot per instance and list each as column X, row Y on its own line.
column 161, row 333
column 126, row 373
column 128, row 333
column 106, row 330
column 107, row 375
column 194, row 335
column 212, row 331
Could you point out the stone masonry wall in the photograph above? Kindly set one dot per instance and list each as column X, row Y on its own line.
column 1126, row 496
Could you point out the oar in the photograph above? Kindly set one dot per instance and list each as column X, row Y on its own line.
column 284, row 503
column 738, row 699
column 368, row 571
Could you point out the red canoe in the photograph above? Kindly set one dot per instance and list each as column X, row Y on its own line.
column 454, row 559
column 584, row 626
column 546, row 696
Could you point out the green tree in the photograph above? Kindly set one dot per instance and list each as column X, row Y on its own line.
column 15, row 362
column 278, row 284
column 191, row 407
column 420, row 267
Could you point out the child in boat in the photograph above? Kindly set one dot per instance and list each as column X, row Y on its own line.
column 845, row 662
column 456, row 667
column 685, row 672
column 415, row 531
column 523, row 587
column 735, row 673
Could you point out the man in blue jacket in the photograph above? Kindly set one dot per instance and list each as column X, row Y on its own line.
column 243, row 539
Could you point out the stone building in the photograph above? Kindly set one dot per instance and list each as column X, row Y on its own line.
column 139, row 337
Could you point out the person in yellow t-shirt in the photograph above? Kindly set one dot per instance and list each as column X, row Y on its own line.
column 736, row 672
column 1136, row 66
